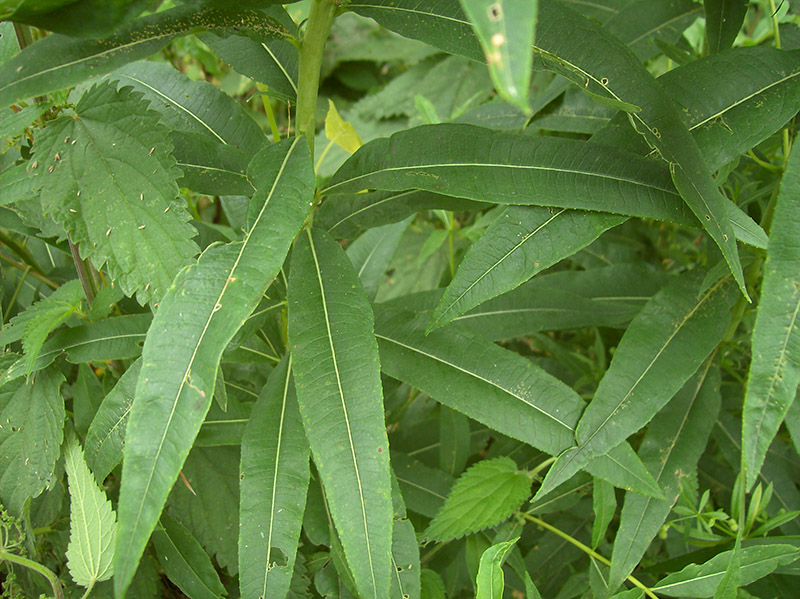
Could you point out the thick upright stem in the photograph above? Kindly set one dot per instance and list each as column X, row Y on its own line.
column 319, row 23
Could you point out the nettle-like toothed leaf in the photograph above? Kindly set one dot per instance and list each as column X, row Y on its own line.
column 484, row 496
column 39, row 320
column 108, row 177
column 92, row 524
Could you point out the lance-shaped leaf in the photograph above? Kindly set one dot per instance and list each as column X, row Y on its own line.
column 185, row 561
column 520, row 243
column 490, row 581
column 109, row 178
column 405, row 551
column 663, row 346
column 106, row 436
column 30, row 438
column 372, row 253
column 337, row 376
column 92, row 523
column 671, row 448
column 81, row 18
column 775, row 367
column 724, row 19
column 274, row 482
column 196, row 319
column 58, row 61
column 504, row 168
column 702, row 580
column 465, row 372
column 506, row 32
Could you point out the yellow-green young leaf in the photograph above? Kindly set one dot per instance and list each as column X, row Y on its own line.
column 274, row 479
column 506, row 29
column 339, row 131
column 490, row 581
column 92, row 523
column 775, row 367
column 337, row 377
column 199, row 315
column 485, row 495
column 108, row 177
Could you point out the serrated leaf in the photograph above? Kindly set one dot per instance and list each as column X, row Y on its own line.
column 506, row 32
column 775, row 367
column 92, row 523
column 671, row 448
column 204, row 308
column 341, row 132
column 663, row 346
column 520, row 243
column 464, row 371
column 702, row 580
column 337, row 376
column 485, row 495
column 30, row 438
column 106, row 435
column 724, row 19
column 185, row 562
column 109, row 179
column 58, row 61
column 490, row 581
column 372, row 253
column 273, row 488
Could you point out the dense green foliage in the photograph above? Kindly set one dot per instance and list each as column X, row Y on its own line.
column 399, row 299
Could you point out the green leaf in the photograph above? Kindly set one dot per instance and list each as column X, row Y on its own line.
column 702, row 580
column 490, row 581
column 92, row 523
column 106, row 436
column 506, row 32
column 341, row 132
column 58, row 61
column 372, row 253
column 337, row 376
column 465, row 372
column 775, row 367
column 424, row 489
column 274, row 483
column 405, row 560
column 671, row 448
column 87, row 396
column 730, row 583
column 108, row 177
column 196, row 319
column 30, row 438
column 80, row 18
column 663, row 346
column 13, row 123
column 454, row 441
column 520, row 243
column 485, row 495
column 604, row 505
column 185, row 562
column 40, row 319
column 724, row 19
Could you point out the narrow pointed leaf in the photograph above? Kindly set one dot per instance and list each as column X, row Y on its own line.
column 464, row 371
column 663, row 346
column 337, row 376
column 775, row 367
column 506, row 32
column 58, row 61
column 30, row 439
column 671, row 448
column 604, row 505
column 702, row 580
column 274, row 483
column 372, row 253
column 490, row 581
column 80, row 18
column 185, row 561
column 92, row 523
column 724, row 19
column 485, row 495
column 108, row 177
column 520, row 243
column 196, row 319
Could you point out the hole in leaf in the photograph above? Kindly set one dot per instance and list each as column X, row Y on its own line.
column 277, row 558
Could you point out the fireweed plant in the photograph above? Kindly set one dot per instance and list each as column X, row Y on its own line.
column 399, row 299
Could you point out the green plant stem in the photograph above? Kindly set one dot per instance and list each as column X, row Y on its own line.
column 20, row 251
column 775, row 25
column 15, row 294
column 24, row 36
column 587, row 550
column 33, row 273
column 36, row 567
column 83, row 273
column 273, row 124
column 318, row 26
